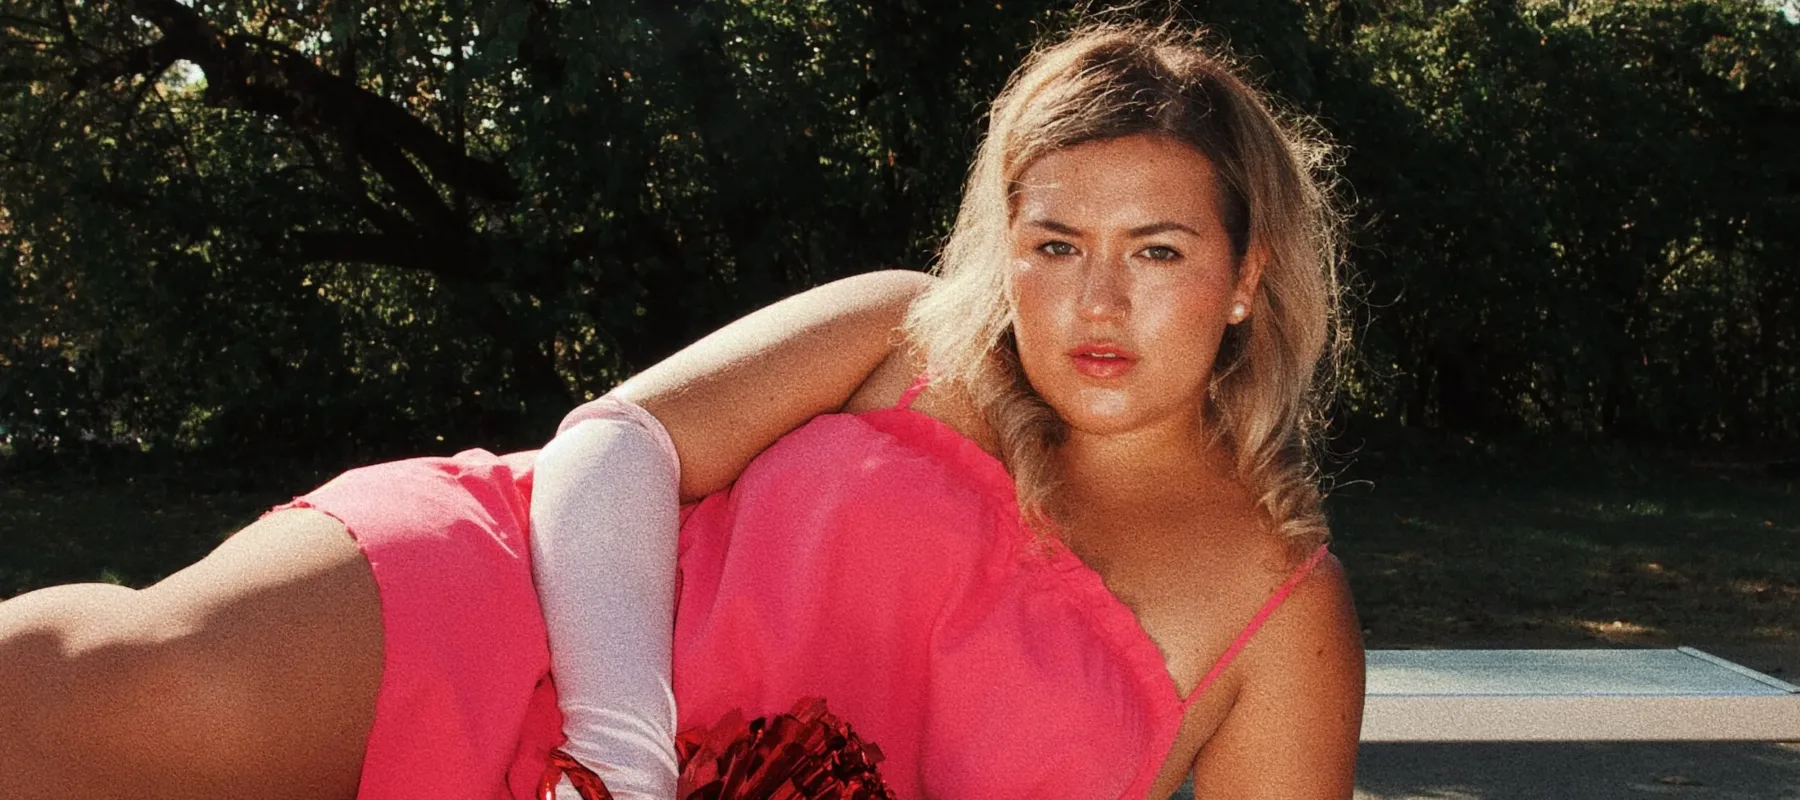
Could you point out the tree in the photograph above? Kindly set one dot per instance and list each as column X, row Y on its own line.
column 349, row 229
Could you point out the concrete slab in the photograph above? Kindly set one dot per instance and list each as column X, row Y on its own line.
column 1586, row 695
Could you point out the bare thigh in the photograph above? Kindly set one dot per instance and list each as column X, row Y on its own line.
column 251, row 673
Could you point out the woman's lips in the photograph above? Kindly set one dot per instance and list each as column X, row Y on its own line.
column 1102, row 360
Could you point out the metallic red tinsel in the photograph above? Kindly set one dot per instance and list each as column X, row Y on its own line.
column 586, row 783
column 805, row 754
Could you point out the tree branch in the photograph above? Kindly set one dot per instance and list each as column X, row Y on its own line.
column 415, row 193
column 148, row 59
column 15, row 21
column 181, row 142
column 349, row 182
column 143, row 91
column 67, row 19
column 443, row 259
column 537, row 50
column 271, row 78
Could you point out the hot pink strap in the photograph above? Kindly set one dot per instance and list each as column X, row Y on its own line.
column 1256, row 623
column 912, row 392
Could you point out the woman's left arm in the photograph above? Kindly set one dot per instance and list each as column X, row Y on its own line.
column 1293, row 730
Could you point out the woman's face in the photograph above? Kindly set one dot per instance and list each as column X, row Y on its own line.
column 1122, row 282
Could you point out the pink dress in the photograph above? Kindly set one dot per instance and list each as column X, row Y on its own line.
column 876, row 560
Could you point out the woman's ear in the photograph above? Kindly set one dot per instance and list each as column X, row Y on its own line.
column 1249, row 279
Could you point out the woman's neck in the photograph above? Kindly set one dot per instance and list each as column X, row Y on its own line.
column 1167, row 460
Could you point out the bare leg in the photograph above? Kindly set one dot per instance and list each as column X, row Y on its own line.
column 252, row 673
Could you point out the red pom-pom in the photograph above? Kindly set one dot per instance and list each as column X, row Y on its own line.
column 586, row 783
column 805, row 754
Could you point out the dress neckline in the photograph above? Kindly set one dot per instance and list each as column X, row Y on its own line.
column 1114, row 623
column 1119, row 622
column 1112, row 619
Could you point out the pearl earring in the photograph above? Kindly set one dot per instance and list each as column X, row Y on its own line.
column 1238, row 312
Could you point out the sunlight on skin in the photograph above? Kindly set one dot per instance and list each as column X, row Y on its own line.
column 1118, row 245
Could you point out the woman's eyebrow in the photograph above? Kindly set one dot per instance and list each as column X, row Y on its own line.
column 1161, row 227
column 1054, row 227
column 1142, row 230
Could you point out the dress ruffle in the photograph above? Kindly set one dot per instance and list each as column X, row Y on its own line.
column 1112, row 620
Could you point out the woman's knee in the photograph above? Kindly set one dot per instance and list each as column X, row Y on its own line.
column 255, row 668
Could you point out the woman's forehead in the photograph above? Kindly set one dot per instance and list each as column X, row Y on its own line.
column 1129, row 180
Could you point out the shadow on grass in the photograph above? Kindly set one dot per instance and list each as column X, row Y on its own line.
column 1516, row 547
column 131, row 533
column 1449, row 544
column 1579, row 771
column 1574, row 771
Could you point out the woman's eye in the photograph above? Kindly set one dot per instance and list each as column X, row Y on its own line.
column 1161, row 253
column 1057, row 249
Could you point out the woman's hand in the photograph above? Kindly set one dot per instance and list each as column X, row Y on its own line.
column 727, row 397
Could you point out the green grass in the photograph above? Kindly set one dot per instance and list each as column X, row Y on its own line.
column 1478, row 545
column 1448, row 543
column 130, row 532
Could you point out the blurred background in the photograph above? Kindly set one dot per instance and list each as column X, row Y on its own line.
column 245, row 245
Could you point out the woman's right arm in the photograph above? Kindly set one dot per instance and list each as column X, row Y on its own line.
column 727, row 397
column 603, row 508
column 256, row 670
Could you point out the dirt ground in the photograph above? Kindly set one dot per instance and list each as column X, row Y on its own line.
column 1579, row 771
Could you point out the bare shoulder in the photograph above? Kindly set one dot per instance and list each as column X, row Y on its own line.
column 1320, row 603
column 897, row 371
column 1314, row 632
column 728, row 396
column 946, row 402
column 1293, row 730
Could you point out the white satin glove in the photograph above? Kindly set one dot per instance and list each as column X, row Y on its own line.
column 603, row 536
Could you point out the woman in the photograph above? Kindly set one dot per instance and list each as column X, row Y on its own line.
column 1133, row 302
column 1131, row 310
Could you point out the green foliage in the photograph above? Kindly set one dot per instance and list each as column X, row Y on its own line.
column 1453, row 540
column 1579, row 216
column 348, row 229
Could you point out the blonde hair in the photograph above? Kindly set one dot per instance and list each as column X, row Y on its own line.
column 1105, row 81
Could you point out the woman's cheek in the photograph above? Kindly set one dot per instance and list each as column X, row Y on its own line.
column 1033, row 302
column 1185, row 323
column 1035, row 328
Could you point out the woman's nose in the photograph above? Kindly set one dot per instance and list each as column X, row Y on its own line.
column 1103, row 290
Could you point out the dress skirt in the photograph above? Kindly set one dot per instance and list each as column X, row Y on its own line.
column 466, row 709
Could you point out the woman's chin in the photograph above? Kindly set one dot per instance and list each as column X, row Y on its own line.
column 1115, row 413
column 1100, row 419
